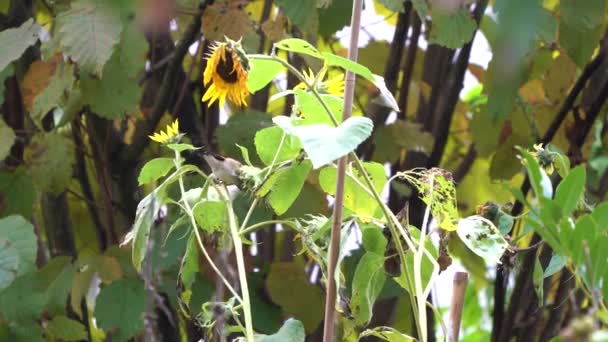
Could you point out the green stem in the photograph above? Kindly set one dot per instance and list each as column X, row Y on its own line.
column 392, row 222
column 240, row 262
column 256, row 226
column 196, row 232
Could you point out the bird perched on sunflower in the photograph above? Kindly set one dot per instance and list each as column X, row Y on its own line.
column 226, row 74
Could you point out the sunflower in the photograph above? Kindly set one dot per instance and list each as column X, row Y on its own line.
column 165, row 138
column 333, row 86
column 226, row 74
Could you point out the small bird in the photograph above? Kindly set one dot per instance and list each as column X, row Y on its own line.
column 225, row 169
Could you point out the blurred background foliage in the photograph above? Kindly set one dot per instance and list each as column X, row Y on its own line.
column 84, row 82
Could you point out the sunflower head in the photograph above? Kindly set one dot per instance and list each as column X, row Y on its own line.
column 333, row 86
column 170, row 135
column 226, row 74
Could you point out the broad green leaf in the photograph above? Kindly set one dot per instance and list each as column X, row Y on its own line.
column 550, row 215
column 589, row 13
column 311, row 111
column 556, row 264
column 284, row 186
column 15, row 40
column 387, row 334
column 288, row 286
column 547, row 27
column 600, row 215
column 241, row 129
column 302, row 13
column 49, row 158
column 347, row 64
column 291, row 331
column 334, row 17
column 268, row 140
column 52, row 96
column 452, row 30
column 323, row 143
column 261, row 73
column 298, row 45
column 373, row 239
column 513, row 40
column 585, row 230
column 89, row 31
column 155, row 169
column 145, row 216
column 18, row 236
column 56, row 278
column 17, row 193
column 538, row 177
column 211, row 216
column 579, row 41
column 367, row 284
column 61, row 327
column 189, row 267
column 537, row 279
column 9, row 263
column 7, row 137
column 482, row 237
column 598, row 256
column 24, row 299
column 570, row 190
column 400, row 135
column 356, row 198
column 118, row 93
column 119, row 308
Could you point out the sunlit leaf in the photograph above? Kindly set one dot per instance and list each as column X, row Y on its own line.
column 570, row 190
column 291, row 331
column 155, row 169
column 268, row 140
column 261, row 73
column 285, row 186
column 324, row 143
column 211, row 216
column 356, row 198
column 482, row 237
column 299, row 46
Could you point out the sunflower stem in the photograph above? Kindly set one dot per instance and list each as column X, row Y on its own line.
column 199, row 240
column 240, row 263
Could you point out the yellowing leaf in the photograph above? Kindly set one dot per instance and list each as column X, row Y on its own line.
column 226, row 19
column 533, row 92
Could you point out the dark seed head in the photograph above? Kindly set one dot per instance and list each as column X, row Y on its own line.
column 225, row 68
